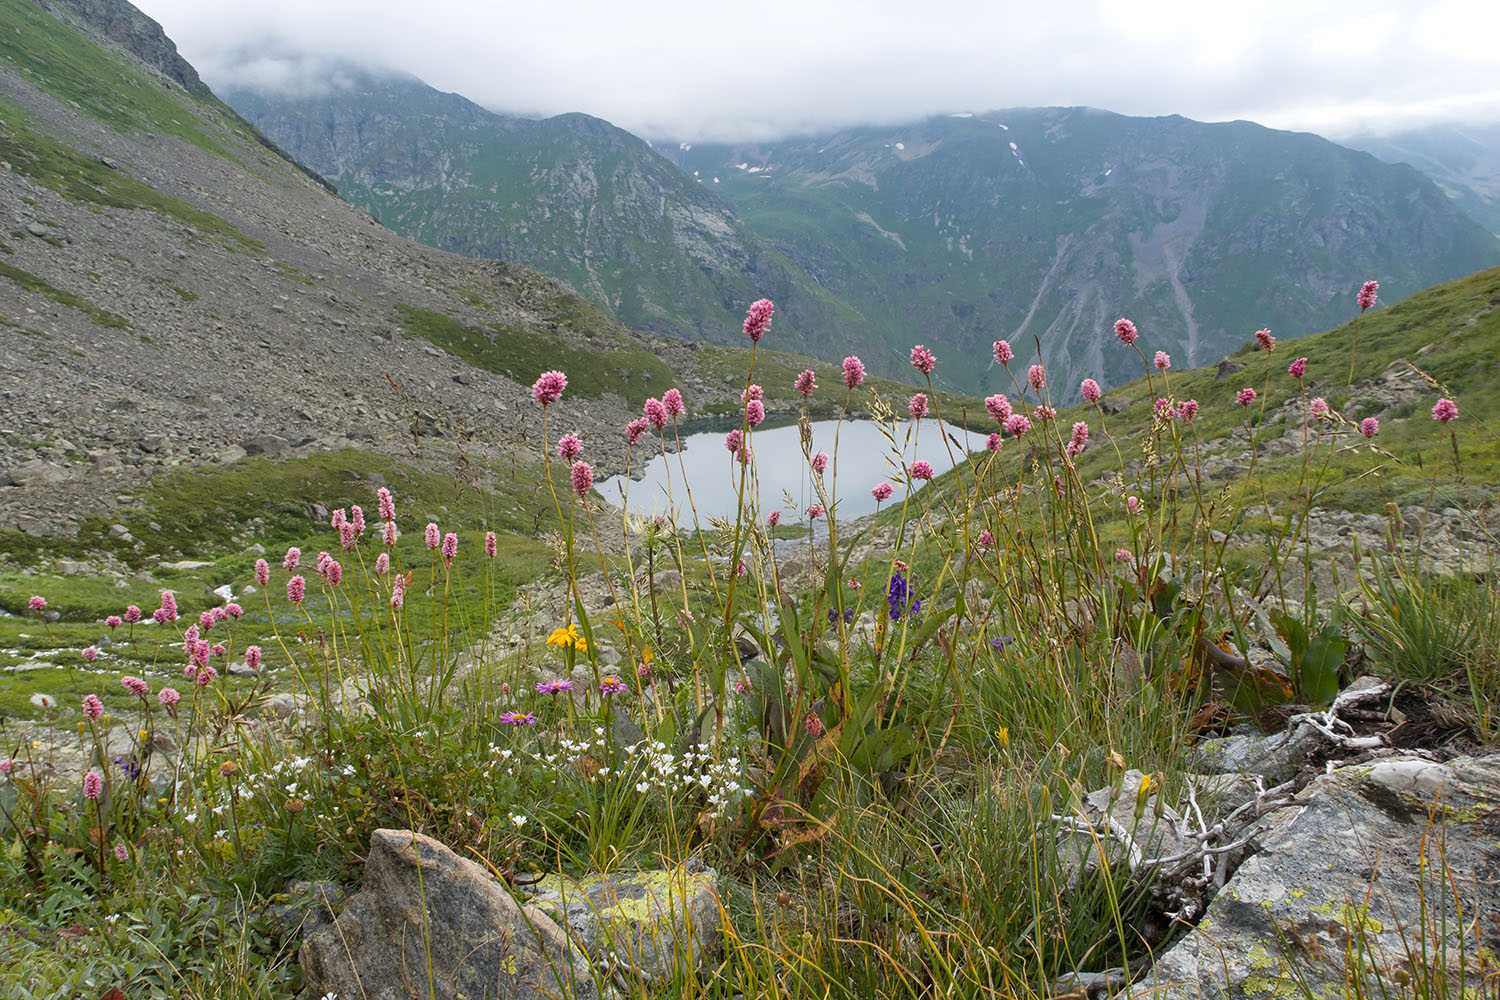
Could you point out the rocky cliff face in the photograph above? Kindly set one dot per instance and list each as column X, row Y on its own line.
column 133, row 31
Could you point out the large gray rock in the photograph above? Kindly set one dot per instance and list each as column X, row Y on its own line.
column 419, row 901
column 1395, row 859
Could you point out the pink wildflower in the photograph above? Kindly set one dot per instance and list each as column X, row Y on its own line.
column 338, row 519
column 755, row 412
column 583, row 478
column 262, row 572
column 1090, row 390
column 450, row 546
column 132, row 615
column 37, row 602
column 168, row 697
column 1133, row 504
column 1003, row 353
column 752, row 391
column 656, row 413
column 1318, row 408
column 93, row 785
column 1042, row 413
column 671, row 401
column 921, row 469
column 1187, row 409
column 432, row 536
column 398, row 592
column 489, row 544
column 1367, row 295
column 113, row 622
column 773, row 519
column 233, row 610
column 569, row 447
column 548, row 388
column 93, row 707
column 252, row 657
column 1037, row 376
column 815, row 511
column 806, row 382
column 292, row 558
column 89, row 653
column 7, row 764
column 1017, row 425
column 813, row 725
column 998, row 407
column 1124, row 555
column 1080, row 435
column 205, row 677
column 206, row 620
column 122, row 853
column 1266, row 341
column 732, row 442
column 1162, row 409
column 1125, row 330
column 382, row 563
column 387, row 504
column 922, row 360
column 202, row 651
column 1246, row 396
column 820, row 462
column 993, row 442
column 1369, row 427
column 1446, row 410
column 758, row 319
column 918, row 406
column 854, row 372
column 135, row 686
column 1297, row 368
column 986, row 539
column 389, row 534
column 296, row 588
column 1163, row 360
column 168, row 607
column 357, row 519
column 881, row 492
column 635, row 429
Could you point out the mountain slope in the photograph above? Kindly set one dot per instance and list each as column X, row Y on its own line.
column 1463, row 160
column 572, row 196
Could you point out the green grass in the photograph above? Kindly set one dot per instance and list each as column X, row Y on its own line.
column 31, row 283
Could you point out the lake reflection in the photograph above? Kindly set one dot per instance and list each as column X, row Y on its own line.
column 864, row 458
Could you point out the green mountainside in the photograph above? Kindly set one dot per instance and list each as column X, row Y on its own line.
column 1464, row 160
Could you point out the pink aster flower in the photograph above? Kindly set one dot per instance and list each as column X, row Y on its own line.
column 671, row 401
column 135, row 686
column 113, row 622
column 992, row 443
column 1037, row 376
column 168, row 697
column 387, row 504
column 773, row 519
column 732, row 442
column 1090, row 390
column 548, row 388
column 37, row 603
column 132, row 615
column 292, row 558
column 389, row 534
column 806, row 382
column 854, row 372
column 89, row 653
column 1017, row 425
column 1369, row 427
column 583, row 478
column 1266, row 341
column 758, row 319
column 635, row 429
column 1187, row 409
column 881, row 492
column 252, row 657
column 1297, row 368
column 752, row 391
column 998, row 407
column 93, row 707
column 921, row 470
column 1003, row 353
column 922, row 360
column 1367, row 295
column 1445, row 411
column 262, row 572
column 93, row 785
column 815, row 511
column 918, row 406
column 656, row 413
column 450, row 546
column 820, row 462
column 1246, row 396
column 489, row 544
column 382, row 564
column 1318, row 408
column 296, row 589
column 755, row 412
column 569, row 447
column 1163, row 361
column 1125, row 330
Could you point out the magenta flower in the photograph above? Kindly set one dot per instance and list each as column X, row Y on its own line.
column 815, row 511
column 387, row 504
column 168, row 697
column 1445, row 411
column 918, row 406
column 1133, row 504
column 583, row 478
column 921, row 470
column 219, row 649
column 998, row 407
column 732, row 442
column 922, row 360
column 986, row 539
column 1246, row 396
column 1266, row 341
column 656, row 413
column 1017, row 424
column 450, row 546
column 262, row 572
column 7, row 764
column 89, row 653
column 489, row 544
column 252, row 657
column 1161, row 409
column 1037, row 376
column 1369, row 427
column 758, row 319
column 1125, row 330
column 37, row 602
column 323, row 560
column 671, row 401
column 813, row 725
column 1297, row 368
column 389, row 534
column 432, row 536
column 92, row 706
column 113, row 622
column 755, row 412
column 296, row 589
column 569, row 447
column 132, row 615
column 773, row 519
column 189, row 637
column 1163, row 361
column 233, row 610
column 347, row 536
column 1042, row 414
column 382, row 564
column 93, row 785
column 1090, row 390
column 1367, row 295
column 820, row 462
column 135, row 686
column 169, row 605
column 993, row 442
column 750, row 392
column 547, row 389
column 206, row 620
column 554, row 687
column 635, row 429
column 202, row 651
column 357, row 519
column 1187, row 409
column 1123, row 555
column 292, row 558
column 1080, row 435
column 338, row 519
column 854, row 372
column 1003, row 353
column 806, row 382
column 205, row 677
column 1318, row 408
column 881, row 492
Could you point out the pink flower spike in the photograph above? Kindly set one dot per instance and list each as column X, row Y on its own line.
column 758, row 319
column 398, row 592
column 548, row 388
column 37, row 602
column 921, row 470
column 389, row 534
column 1163, row 361
column 233, row 610
column 1187, row 409
column 1367, row 295
column 382, row 564
column 773, row 519
column 993, row 442
column 1161, row 409
column 93, row 785
column 132, row 615
column 135, row 686
column 296, row 589
column 998, row 407
column 93, row 707
column 168, row 697
column 1445, row 411
column 806, row 382
column 347, row 535
column 113, row 622
column 1090, row 390
column 387, row 504
column 206, row 620
column 755, row 412
column 89, row 653
column 918, row 406
column 881, row 492
column 569, row 447
column 583, row 478
column 169, row 606
column 489, row 544
column 357, row 519
column 1037, row 376
column 1266, row 341
column 338, row 519
column 854, row 372
column 1125, row 330
column 656, row 413
column 1297, row 368
column 986, row 539
column 1080, row 436
column 1246, row 396
column 820, row 462
column 432, row 536
column 122, row 853
column 1042, row 413
column 293, row 557
column 252, row 657
column 450, row 546
column 1369, row 427
column 732, row 442
column 1133, row 504
column 262, row 572
column 923, row 360
column 1017, row 425
column 671, row 401
column 1318, row 408
column 815, row 511
column 1003, row 353
column 635, row 429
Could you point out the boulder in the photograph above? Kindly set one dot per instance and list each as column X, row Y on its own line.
column 37, row 473
column 428, row 923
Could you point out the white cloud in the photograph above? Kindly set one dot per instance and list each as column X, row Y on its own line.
column 707, row 71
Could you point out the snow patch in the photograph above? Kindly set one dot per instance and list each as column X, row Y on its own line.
column 684, row 146
column 962, row 114
column 900, row 145
column 1013, row 147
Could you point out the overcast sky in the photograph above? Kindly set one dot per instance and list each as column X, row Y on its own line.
column 717, row 71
